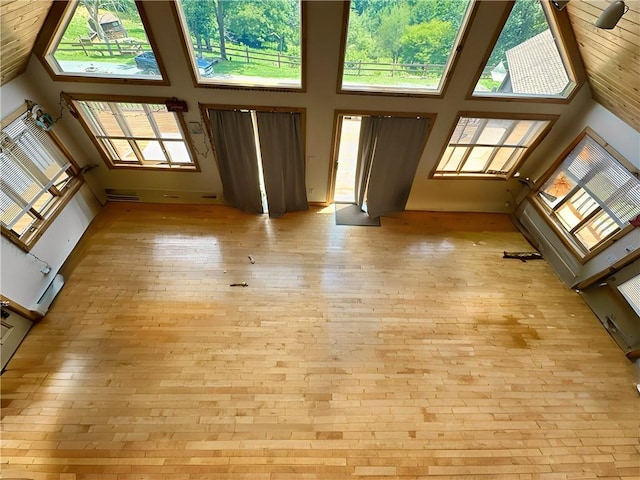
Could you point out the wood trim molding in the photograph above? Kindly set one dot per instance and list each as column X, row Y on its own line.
column 619, row 265
column 70, row 97
column 238, row 86
column 552, row 119
column 20, row 310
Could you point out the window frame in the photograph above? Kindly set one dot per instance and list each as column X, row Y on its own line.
column 582, row 253
column 71, row 98
column 560, row 27
column 53, row 29
column 187, row 48
column 450, row 67
column 61, row 197
column 434, row 174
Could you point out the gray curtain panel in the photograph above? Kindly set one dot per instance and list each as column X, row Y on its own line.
column 283, row 164
column 366, row 148
column 398, row 146
column 234, row 143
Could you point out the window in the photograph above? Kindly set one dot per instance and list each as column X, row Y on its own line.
column 38, row 179
column 528, row 58
column 401, row 46
column 251, row 43
column 630, row 290
column 105, row 40
column 490, row 147
column 591, row 196
column 136, row 134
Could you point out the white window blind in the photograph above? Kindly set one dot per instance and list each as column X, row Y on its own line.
column 34, row 170
column 631, row 292
column 591, row 195
column 605, row 179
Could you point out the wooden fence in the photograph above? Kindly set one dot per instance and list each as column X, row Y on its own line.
column 110, row 49
column 250, row 56
column 256, row 56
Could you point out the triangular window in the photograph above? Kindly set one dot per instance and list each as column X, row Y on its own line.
column 103, row 40
column 528, row 59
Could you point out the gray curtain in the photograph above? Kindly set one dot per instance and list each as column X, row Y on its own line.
column 283, row 165
column 397, row 145
column 234, row 143
column 366, row 148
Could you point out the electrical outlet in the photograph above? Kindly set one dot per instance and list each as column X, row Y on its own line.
column 310, row 191
column 611, row 259
column 629, row 249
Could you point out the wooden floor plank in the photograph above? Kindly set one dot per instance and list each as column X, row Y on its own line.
column 409, row 351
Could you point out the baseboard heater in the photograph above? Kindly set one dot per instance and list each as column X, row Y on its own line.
column 45, row 301
column 115, row 195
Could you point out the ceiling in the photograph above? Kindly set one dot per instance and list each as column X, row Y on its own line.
column 20, row 22
column 611, row 57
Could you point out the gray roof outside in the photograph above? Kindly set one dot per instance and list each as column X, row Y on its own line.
column 535, row 66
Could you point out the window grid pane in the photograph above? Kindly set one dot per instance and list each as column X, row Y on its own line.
column 103, row 29
column 497, row 145
column 526, row 60
column 596, row 230
column 398, row 46
column 258, row 43
column 591, row 196
column 630, row 290
column 144, row 134
column 34, row 175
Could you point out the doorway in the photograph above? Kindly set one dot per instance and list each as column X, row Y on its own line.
column 260, row 156
column 376, row 157
column 13, row 329
column 347, row 159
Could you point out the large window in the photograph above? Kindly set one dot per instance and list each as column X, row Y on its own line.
column 249, row 43
column 490, row 147
column 402, row 46
column 38, row 179
column 590, row 196
column 105, row 40
column 528, row 59
column 136, row 134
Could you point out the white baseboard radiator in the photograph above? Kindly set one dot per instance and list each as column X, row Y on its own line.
column 49, row 295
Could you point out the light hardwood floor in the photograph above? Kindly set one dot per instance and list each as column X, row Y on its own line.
column 410, row 351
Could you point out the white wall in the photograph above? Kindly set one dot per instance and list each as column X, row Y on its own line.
column 21, row 279
column 20, row 276
column 321, row 100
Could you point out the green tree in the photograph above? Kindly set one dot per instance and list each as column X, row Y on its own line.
column 197, row 14
column 256, row 23
column 221, row 34
column 371, row 7
column 393, row 23
column 450, row 11
column 360, row 41
column 426, row 42
column 526, row 20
